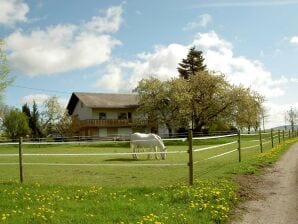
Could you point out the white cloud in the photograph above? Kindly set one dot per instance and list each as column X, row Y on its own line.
column 41, row 98
column 64, row 47
column 276, row 113
column 63, row 102
column 13, row 11
column 281, row 81
column 139, row 13
column 251, row 3
column 201, row 21
column 294, row 40
column 295, row 80
column 110, row 22
column 162, row 63
column 219, row 56
column 112, row 80
column 38, row 98
column 211, row 41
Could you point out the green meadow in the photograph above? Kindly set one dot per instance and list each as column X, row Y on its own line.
column 118, row 189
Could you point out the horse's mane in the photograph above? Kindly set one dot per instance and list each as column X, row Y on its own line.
column 156, row 136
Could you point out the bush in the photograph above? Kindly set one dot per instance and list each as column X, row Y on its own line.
column 15, row 124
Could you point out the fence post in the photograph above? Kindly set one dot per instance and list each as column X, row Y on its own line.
column 278, row 136
column 261, row 141
column 289, row 133
column 283, row 135
column 190, row 154
column 272, row 144
column 239, row 146
column 21, row 160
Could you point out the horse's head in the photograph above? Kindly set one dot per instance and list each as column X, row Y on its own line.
column 159, row 143
column 163, row 153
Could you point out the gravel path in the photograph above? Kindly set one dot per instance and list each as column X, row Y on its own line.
column 278, row 188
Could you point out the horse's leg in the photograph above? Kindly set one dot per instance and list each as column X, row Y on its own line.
column 134, row 155
column 131, row 147
column 156, row 157
column 149, row 155
column 163, row 156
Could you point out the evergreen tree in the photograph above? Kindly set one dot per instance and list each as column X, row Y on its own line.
column 35, row 126
column 193, row 63
column 26, row 110
column 33, row 119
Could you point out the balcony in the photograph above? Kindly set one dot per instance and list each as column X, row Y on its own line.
column 108, row 123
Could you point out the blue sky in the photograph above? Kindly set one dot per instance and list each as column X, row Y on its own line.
column 58, row 47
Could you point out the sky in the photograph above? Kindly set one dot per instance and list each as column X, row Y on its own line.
column 58, row 47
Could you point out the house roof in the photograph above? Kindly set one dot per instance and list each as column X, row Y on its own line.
column 102, row 100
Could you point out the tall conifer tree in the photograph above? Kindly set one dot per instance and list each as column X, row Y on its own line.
column 35, row 126
column 193, row 63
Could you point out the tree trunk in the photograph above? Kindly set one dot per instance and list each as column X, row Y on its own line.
column 198, row 125
column 170, row 130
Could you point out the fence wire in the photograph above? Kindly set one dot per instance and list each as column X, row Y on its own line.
column 183, row 139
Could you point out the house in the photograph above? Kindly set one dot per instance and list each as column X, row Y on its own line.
column 103, row 115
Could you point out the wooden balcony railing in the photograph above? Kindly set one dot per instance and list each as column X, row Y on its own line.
column 112, row 123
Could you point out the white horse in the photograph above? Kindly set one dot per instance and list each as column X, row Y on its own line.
column 151, row 141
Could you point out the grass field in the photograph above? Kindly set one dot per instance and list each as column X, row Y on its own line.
column 107, row 193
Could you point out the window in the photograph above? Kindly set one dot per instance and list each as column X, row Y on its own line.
column 129, row 116
column 102, row 116
column 122, row 116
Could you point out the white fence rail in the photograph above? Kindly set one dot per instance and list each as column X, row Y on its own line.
column 226, row 146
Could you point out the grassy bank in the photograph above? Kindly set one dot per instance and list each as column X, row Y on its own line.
column 61, row 200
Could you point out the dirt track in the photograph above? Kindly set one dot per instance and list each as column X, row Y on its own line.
column 274, row 195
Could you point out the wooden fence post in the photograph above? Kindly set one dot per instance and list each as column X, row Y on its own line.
column 283, row 135
column 239, row 146
column 289, row 133
column 272, row 144
column 261, row 141
column 278, row 136
column 21, row 159
column 190, row 154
